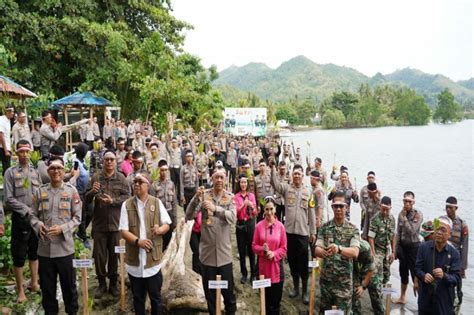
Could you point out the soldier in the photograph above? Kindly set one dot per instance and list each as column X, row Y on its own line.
column 164, row 189
column 367, row 277
column 21, row 130
column 460, row 240
column 143, row 222
column 283, row 176
column 108, row 190
column 215, row 247
column 21, row 184
column 338, row 244
column 50, row 132
column 381, row 238
column 56, row 212
column 370, row 206
column 189, row 180
column 317, row 197
column 299, row 224
column 408, row 229
column 263, row 187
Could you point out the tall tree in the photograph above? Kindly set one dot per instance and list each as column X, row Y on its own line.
column 447, row 110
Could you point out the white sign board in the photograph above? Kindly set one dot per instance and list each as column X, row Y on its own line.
column 389, row 291
column 119, row 249
column 313, row 264
column 82, row 263
column 242, row 121
column 258, row 284
column 334, row 312
column 218, row 284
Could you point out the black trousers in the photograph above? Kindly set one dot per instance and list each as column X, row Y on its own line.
column 167, row 237
column 298, row 255
column 244, row 234
column 280, row 212
column 24, row 241
column 188, row 195
column 5, row 161
column 174, row 175
column 210, row 273
column 406, row 254
column 104, row 255
column 194, row 243
column 49, row 269
column 273, row 298
column 86, row 218
column 140, row 288
column 231, row 171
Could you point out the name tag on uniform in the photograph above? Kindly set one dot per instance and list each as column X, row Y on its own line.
column 218, row 284
column 82, row 263
column 119, row 249
column 259, row 284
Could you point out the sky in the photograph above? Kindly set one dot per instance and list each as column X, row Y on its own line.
column 371, row 36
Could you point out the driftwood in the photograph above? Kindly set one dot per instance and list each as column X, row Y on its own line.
column 182, row 287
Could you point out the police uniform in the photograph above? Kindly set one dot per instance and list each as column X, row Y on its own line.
column 21, row 132
column 336, row 278
column 105, row 224
column 231, row 165
column 263, row 188
column 317, row 201
column 20, row 185
column 175, row 164
column 364, row 264
column 279, row 201
column 166, row 193
column 202, row 164
column 189, row 182
column 57, row 206
column 382, row 231
column 300, row 223
column 408, row 230
column 49, row 136
column 215, row 246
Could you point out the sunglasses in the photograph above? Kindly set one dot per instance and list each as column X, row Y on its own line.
column 338, row 206
column 139, row 182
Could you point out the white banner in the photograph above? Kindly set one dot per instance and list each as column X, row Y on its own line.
column 242, row 121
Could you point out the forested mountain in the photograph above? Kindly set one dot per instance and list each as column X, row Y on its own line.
column 303, row 78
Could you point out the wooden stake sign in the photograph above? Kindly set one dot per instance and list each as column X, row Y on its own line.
column 262, row 284
column 121, row 250
column 218, row 297
column 388, row 291
column 314, row 264
column 83, row 264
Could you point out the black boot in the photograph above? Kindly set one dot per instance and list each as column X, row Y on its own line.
column 304, row 292
column 101, row 290
column 113, row 289
column 296, row 288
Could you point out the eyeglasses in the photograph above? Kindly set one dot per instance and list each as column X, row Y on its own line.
column 337, row 206
column 139, row 182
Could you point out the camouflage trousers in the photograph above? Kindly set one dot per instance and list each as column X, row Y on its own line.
column 375, row 292
column 336, row 293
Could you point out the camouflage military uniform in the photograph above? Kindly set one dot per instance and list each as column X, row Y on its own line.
column 364, row 264
column 382, row 231
column 337, row 271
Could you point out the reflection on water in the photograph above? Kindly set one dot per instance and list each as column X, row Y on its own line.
column 433, row 161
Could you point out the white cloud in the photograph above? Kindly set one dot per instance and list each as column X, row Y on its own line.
column 368, row 35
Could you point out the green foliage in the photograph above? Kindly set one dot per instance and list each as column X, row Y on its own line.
column 287, row 112
column 333, row 118
column 447, row 110
column 6, row 260
column 80, row 249
column 411, row 109
column 129, row 52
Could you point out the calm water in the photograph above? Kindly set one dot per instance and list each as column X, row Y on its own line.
column 434, row 162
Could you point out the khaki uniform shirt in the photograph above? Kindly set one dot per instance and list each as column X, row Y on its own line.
column 20, row 185
column 263, row 187
column 165, row 191
column 188, row 177
column 56, row 206
column 215, row 247
column 408, row 227
column 202, row 164
column 284, row 179
column 299, row 216
column 21, row 132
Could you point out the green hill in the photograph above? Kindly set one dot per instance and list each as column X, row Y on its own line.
column 304, row 78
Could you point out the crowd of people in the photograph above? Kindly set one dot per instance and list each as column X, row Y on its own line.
column 129, row 182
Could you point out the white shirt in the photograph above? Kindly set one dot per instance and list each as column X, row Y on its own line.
column 140, row 271
column 6, row 128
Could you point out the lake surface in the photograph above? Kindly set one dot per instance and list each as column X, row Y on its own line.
column 434, row 161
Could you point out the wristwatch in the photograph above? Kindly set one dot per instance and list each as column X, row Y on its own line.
column 339, row 249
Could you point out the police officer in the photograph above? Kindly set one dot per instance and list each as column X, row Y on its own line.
column 317, row 167
column 408, row 229
column 50, row 132
column 21, row 130
column 369, row 204
column 381, row 238
column 56, row 212
column 283, row 176
column 459, row 239
column 21, row 184
column 317, row 197
column 338, row 244
column 107, row 191
column 231, row 164
column 299, row 224
column 202, row 164
column 215, row 247
column 164, row 189
column 189, row 180
column 263, row 187
column 175, row 162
